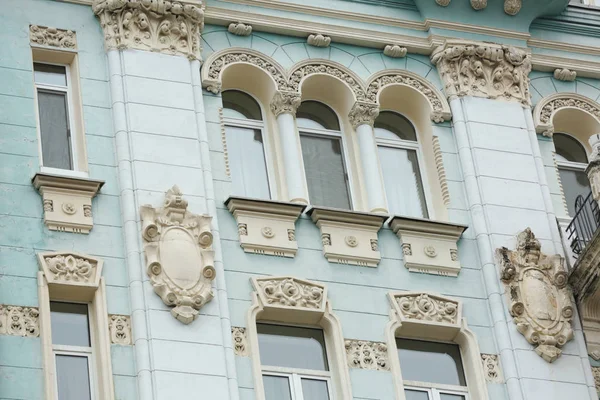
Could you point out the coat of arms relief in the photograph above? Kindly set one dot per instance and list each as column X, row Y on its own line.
column 539, row 300
column 179, row 255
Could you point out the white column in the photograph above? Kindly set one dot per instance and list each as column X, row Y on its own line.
column 362, row 116
column 284, row 107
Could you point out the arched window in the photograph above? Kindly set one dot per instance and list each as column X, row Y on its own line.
column 245, row 147
column 399, row 157
column 323, row 155
column 572, row 160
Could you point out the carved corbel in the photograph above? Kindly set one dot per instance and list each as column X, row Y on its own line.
column 565, row 74
column 179, row 255
column 240, row 29
column 395, row 51
column 318, row 40
column 538, row 296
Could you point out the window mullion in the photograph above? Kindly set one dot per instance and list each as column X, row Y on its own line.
column 297, row 385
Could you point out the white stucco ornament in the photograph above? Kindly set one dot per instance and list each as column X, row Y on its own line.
column 179, row 255
column 539, row 299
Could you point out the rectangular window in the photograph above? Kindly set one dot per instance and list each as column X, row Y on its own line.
column 294, row 363
column 575, row 183
column 71, row 345
column 326, row 175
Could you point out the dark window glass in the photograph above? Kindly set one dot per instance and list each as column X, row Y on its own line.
column 391, row 125
column 313, row 114
column 238, row 104
column 54, row 128
column 50, row 74
column 574, row 183
column 569, row 148
column 277, row 387
column 70, row 325
column 292, row 347
column 430, row 362
column 73, row 377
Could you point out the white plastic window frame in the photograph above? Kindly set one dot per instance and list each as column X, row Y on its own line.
column 408, row 145
column 260, row 125
column 68, row 89
column 434, row 391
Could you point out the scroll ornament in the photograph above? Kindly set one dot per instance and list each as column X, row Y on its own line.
column 428, row 308
column 539, row 299
column 179, row 255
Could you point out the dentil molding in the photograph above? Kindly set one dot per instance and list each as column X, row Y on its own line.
column 484, row 70
column 364, row 354
column 19, row 321
column 119, row 327
column 491, row 368
column 179, row 255
column 239, row 29
column 266, row 226
column 165, row 26
column 52, row 37
column 539, row 299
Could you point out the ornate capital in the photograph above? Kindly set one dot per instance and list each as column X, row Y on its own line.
column 363, row 113
column 539, row 299
column 179, row 255
column 367, row 355
column 285, row 102
column 484, row 70
column 48, row 36
column 165, row 26
column 19, row 321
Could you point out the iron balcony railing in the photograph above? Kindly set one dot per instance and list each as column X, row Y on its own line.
column 586, row 221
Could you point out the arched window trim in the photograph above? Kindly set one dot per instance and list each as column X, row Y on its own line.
column 417, row 146
column 346, row 160
column 267, row 146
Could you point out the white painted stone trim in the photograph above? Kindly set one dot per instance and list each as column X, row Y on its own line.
column 546, row 109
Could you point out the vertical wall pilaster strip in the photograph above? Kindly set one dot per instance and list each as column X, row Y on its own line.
column 139, row 318
column 212, row 210
column 291, row 158
column 486, row 251
column 370, row 167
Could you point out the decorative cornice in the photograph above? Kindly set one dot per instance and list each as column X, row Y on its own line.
column 285, row 102
column 363, row 113
column 318, row 40
column 19, row 321
column 364, row 354
column 395, row 51
column 491, row 368
column 544, row 111
column 484, row 70
column 53, row 37
column 564, row 74
column 240, row 29
column 164, row 26
column 119, row 327
column 240, row 341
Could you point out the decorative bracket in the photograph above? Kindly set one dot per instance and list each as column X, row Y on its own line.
column 179, row 255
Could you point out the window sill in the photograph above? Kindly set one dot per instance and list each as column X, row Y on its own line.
column 67, row 201
column 359, row 248
column 266, row 226
column 429, row 247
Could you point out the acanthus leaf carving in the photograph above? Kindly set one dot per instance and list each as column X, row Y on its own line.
column 240, row 29
column 491, row 368
column 318, row 40
column 426, row 307
column 179, row 255
column 119, row 327
column 478, row 4
column 512, row 7
column 19, row 321
column 395, row 51
column 285, row 102
column 539, row 299
column 49, row 36
column 290, row 292
column 166, row 26
column 484, row 70
column 363, row 113
column 240, row 341
column 565, row 74
column 364, row 354
column 67, row 268
column 301, row 72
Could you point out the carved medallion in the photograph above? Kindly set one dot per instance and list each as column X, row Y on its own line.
column 179, row 255
column 539, row 299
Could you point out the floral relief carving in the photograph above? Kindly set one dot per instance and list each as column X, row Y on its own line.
column 512, row 7
column 478, row 4
column 285, row 102
column 454, row 254
column 539, row 299
column 430, row 251
column 48, row 36
column 291, row 235
column 240, row 341
column 303, row 71
column 267, row 232
column 119, row 327
column 70, row 268
column 351, row 241
column 367, row 355
column 318, row 40
column 48, row 205
column 484, row 70
column 19, row 321
column 424, row 307
column 165, row 26
column 69, row 208
column 240, row 29
column 179, row 255
column 565, row 74
column 374, row 245
column 406, row 249
column 395, row 51
column 596, row 374
column 243, row 229
column 87, row 210
column 491, row 368
column 363, row 114
column 326, row 239
column 291, row 292
column 545, row 110
column 443, row 3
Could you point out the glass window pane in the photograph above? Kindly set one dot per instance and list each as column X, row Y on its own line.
column 402, row 180
column 393, row 126
column 238, row 104
column 568, row 148
column 447, row 396
column 54, row 124
column 50, row 74
column 247, row 162
column 416, row 395
column 313, row 389
column 574, row 183
column 313, row 114
column 277, row 387
column 73, row 377
column 325, row 171
column 430, row 362
column 290, row 346
column 70, row 324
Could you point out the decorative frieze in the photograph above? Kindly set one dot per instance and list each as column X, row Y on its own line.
column 52, row 37
column 428, row 246
column 539, row 299
column 484, row 70
column 19, row 321
column 546, row 109
column 240, row 341
column 68, row 271
column 367, row 355
column 179, row 255
column 266, row 226
column 240, row 29
column 67, row 201
column 290, row 292
column 338, row 246
column 363, row 114
column 395, row 51
column 285, row 102
column 119, row 327
column 165, row 26
column 491, row 368
column 318, row 40
column 565, row 74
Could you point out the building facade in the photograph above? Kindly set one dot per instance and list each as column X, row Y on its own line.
column 273, row 200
